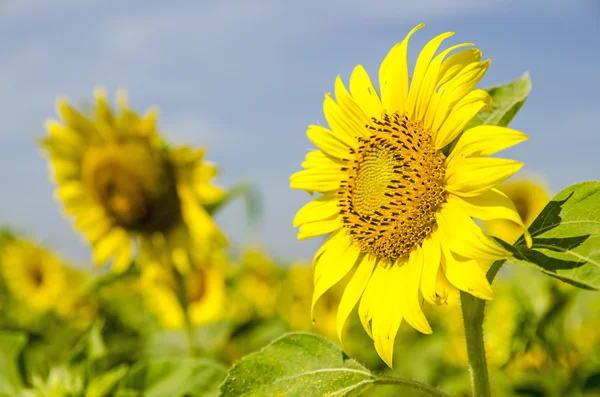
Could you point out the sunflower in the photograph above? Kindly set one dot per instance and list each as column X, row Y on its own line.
column 398, row 205
column 205, row 294
column 123, row 185
column 530, row 196
column 32, row 274
column 294, row 302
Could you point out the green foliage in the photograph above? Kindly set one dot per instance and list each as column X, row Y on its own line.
column 105, row 384
column 300, row 365
column 11, row 344
column 566, row 236
column 176, row 377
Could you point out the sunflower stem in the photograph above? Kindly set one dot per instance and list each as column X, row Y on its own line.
column 473, row 314
column 183, row 303
column 423, row 388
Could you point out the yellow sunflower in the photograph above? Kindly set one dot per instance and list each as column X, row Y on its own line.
column 294, row 303
column 399, row 207
column 205, row 294
column 123, row 185
column 530, row 196
column 32, row 274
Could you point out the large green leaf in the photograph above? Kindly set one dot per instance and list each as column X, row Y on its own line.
column 299, row 365
column 566, row 237
column 11, row 344
column 507, row 101
column 174, row 377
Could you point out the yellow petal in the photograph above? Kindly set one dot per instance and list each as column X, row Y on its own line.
column 64, row 135
column 123, row 258
column 328, row 142
column 389, row 311
column 317, row 180
column 464, row 237
column 460, row 116
column 111, row 242
column 431, row 265
column 393, row 76
column 355, row 115
column 344, row 128
column 333, row 264
column 318, row 209
column 455, row 63
column 74, row 119
column 423, row 62
column 318, row 159
column 431, row 81
column 354, row 290
column 364, row 93
column 491, row 205
column 466, row 275
column 485, row 140
column 473, row 176
column 371, row 298
column 411, row 302
column 318, row 228
column 456, row 88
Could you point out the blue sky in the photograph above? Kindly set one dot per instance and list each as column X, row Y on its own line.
column 246, row 78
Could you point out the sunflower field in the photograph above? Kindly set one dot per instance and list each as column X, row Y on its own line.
column 416, row 214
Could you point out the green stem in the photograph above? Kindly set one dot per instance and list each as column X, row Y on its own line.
column 412, row 384
column 183, row 303
column 472, row 310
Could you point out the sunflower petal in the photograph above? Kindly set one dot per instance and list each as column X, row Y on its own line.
column 460, row 116
column 318, row 228
column 328, row 142
column 473, row 176
column 318, row 209
column 354, row 290
column 370, row 298
column 344, row 128
column 334, row 263
column 423, row 62
column 465, row 238
column 485, row 140
column 431, row 265
column 393, row 75
column 412, row 311
column 316, row 180
column 364, row 93
column 466, row 275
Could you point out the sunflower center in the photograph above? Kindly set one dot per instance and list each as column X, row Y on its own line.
column 522, row 207
column 134, row 184
column 37, row 276
column 394, row 187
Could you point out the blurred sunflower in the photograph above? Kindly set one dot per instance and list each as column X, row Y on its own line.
column 530, row 197
column 294, row 303
column 204, row 289
column 255, row 286
column 400, row 208
column 124, row 185
column 76, row 306
column 32, row 274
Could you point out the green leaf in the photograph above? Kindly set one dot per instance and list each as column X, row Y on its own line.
column 176, row 377
column 566, row 237
column 507, row 101
column 104, row 384
column 297, row 364
column 11, row 344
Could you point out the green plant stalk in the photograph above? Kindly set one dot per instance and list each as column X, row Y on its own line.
column 473, row 314
column 183, row 303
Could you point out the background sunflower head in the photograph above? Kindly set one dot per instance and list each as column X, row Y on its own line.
column 123, row 185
